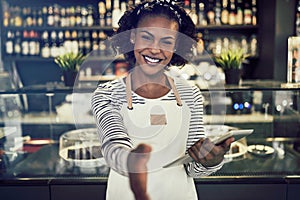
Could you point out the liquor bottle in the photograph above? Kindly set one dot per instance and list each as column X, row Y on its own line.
column 202, row 18
column 53, row 44
column 78, row 15
column 34, row 45
column 75, row 45
column 34, row 17
column 116, row 14
column 61, row 48
column 84, row 14
column 108, row 14
column 63, row 17
column 102, row 45
column 247, row 13
column 17, row 43
column 102, row 11
column 87, row 42
column 45, row 47
column 44, row 15
column 123, row 7
column 218, row 10
column 25, row 43
column 193, row 13
column 253, row 46
column 56, row 15
column 72, row 16
column 50, row 16
column 9, row 44
column 187, row 6
column 90, row 17
column 81, row 47
column 239, row 12
column 254, row 13
column 18, row 20
column 6, row 15
column 232, row 13
column 67, row 41
column 40, row 19
column 95, row 42
column 211, row 12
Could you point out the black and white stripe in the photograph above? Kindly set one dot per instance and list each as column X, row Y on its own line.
column 107, row 101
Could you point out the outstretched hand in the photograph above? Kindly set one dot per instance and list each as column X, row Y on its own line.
column 209, row 154
column 137, row 167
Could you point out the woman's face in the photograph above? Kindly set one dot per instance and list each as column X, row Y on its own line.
column 154, row 42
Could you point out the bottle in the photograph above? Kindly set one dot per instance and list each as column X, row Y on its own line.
column 108, row 14
column 253, row 46
column 74, row 39
column 78, row 15
column 218, row 10
column 225, row 12
column 6, row 15
column 60, row 44
column 45, row 49
column 95, row 42
column 34, row 45
column 239, row 12
column 254, row 13
column 81, row 47
column 18, row 20
column 193, row 13
column 9, row 44
column 72, row 16
column 202, row 18
column 25, row 43
column 50, row 16
column 116, row 14
column 187, row 7
column 247, row 13
column 67, row 41
column 17, row 44
column 232, row 13
column 102, row 11
column 102, row 45
column 40, row 20
column 53, row 44
column 90, row 17
column 56, row 15
column 87, row 42
column 84, row 13
column 211, row 12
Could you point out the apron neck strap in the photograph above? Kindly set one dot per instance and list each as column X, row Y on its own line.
column 129, row 94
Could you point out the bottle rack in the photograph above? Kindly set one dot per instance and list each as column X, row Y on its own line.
column 226, row 20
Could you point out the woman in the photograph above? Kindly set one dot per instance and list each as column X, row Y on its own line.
column 149, row 119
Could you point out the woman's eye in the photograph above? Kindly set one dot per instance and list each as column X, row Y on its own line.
column 146, row 37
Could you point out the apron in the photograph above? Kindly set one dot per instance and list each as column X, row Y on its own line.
column 163, row 125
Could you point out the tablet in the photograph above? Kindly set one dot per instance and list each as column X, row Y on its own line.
column 236, row 133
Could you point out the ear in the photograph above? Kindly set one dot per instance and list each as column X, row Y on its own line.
column 132, row 36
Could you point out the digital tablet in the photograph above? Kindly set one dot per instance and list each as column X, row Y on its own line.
column 236, row 133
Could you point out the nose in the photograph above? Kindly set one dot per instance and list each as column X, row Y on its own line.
column 155, row 48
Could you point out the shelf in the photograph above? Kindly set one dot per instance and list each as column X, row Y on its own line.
column 228, row 27
column 50, row 28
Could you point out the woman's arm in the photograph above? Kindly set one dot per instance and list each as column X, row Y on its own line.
column 115, row 143
column 196, row 133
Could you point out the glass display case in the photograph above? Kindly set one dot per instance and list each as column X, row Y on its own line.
column 48, row 143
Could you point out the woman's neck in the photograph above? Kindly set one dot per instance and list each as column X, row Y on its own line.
column 149, row 86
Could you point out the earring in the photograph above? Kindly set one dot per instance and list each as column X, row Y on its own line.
column 132, row 41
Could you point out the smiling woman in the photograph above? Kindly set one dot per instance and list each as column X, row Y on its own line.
column 148, row 118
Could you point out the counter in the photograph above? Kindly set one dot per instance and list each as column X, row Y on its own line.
column 275, row 176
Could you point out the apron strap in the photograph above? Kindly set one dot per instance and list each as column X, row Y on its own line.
column 129, row 95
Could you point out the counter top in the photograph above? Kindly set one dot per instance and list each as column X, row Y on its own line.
column 45, row 166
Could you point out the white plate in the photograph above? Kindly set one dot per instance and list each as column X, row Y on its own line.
column 242, row 150
column 261, row 150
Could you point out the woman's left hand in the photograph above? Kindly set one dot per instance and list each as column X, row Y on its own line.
column 209, row 154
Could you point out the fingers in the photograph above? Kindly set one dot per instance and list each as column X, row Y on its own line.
column 138, row 158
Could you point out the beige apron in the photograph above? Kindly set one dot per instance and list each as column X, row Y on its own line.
column 168, row 142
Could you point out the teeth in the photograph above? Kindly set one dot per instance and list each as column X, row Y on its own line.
column 153, row 60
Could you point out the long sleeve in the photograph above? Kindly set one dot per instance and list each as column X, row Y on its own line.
column 115, row 142
column 196, row 132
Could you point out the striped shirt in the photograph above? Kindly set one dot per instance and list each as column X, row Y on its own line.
column 116, row 144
